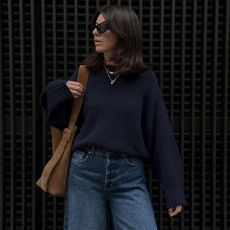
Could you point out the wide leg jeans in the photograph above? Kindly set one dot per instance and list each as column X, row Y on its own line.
column 96, row 177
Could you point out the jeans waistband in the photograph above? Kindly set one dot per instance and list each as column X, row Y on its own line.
column 103, row 152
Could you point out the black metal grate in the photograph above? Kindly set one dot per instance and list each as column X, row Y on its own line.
column 186, row 42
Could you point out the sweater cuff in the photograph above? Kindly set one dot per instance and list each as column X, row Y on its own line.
column 174, row 197
column 57, row 94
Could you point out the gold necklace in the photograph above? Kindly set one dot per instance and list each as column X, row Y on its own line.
column 112, row 81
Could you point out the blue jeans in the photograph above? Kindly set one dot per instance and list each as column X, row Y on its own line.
column 96, row 177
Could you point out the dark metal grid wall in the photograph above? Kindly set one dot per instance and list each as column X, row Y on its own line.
column 186, row 42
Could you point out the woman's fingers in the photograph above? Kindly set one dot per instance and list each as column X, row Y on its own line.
column 74, row 85
column 75, row 93
column 174, row 211
column 76, row 88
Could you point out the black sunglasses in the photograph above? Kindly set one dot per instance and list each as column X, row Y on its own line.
column 101, row 28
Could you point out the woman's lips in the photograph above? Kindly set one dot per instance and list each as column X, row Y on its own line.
column 97, row 42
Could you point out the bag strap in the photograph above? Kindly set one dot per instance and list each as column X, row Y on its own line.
column 56, row 133
column 77, row 103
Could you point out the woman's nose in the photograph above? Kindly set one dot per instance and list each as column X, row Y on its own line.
column 94, row 32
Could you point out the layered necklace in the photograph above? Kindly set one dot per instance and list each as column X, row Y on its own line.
column 111, row 75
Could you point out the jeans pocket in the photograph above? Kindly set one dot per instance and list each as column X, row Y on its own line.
column 80, row 157
column 131, row 161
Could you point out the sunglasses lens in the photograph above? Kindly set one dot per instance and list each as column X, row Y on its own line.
column 101, row 28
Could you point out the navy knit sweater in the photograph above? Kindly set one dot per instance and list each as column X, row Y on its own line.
column 129, row 117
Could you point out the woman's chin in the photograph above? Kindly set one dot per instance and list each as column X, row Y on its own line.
column 99, row 50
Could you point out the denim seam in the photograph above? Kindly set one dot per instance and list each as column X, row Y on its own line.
column 106, row 172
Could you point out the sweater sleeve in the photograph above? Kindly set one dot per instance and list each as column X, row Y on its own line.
column 56, row 100
column 166, row 162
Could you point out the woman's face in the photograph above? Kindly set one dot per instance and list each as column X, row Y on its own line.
column 104, row 42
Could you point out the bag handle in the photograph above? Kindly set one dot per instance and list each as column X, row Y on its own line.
column 77, row 103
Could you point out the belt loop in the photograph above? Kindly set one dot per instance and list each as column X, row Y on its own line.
column 92, row 149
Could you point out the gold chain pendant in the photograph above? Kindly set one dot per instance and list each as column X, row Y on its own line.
column 113, row 81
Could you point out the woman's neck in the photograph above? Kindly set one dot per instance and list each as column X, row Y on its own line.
column 110, row 63
column 108, row 60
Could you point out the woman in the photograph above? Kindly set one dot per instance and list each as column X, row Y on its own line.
column 123, row 122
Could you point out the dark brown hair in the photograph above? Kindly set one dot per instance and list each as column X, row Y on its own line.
column 123, row 22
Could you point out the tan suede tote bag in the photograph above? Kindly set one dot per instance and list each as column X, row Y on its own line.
column 54, row 175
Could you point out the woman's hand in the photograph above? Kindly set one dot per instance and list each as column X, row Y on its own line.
column 174, row 211
column 76, row 88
